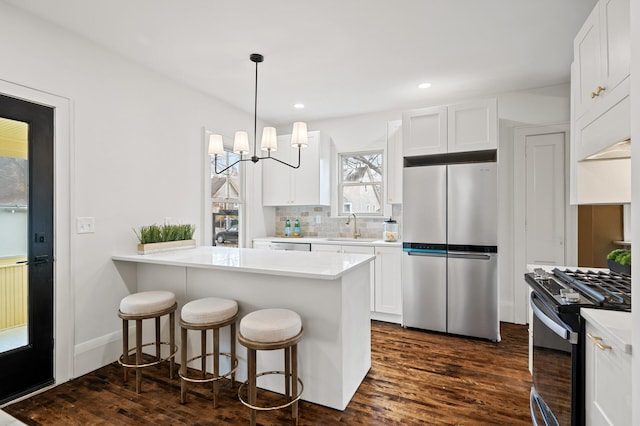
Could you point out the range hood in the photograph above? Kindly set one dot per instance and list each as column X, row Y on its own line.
column 617, row 150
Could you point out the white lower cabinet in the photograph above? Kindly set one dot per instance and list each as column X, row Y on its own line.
column 372, row 272
column 386, row 278
column 608, row 380
column 388, row 283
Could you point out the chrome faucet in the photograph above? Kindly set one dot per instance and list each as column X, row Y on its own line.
column 356, row 233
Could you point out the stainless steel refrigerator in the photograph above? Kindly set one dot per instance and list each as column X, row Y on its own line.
column 449, row 262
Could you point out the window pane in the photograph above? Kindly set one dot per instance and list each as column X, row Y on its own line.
column 361, row 198
column 226, row 198
column 13, row 181
column 225, row 186
column 365, row 167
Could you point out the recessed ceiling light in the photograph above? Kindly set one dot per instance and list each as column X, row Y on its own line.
column 424, row 85
column 298, row 106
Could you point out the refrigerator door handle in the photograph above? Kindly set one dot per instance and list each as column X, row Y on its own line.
column 421, row 253
column 470, row 256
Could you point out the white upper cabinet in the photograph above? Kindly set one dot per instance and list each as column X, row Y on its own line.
column 600, row 80
column 469, row 126
column 473, row 126
column 424, row 131
column 588, row 69
column 394, row 163
column 305, row 186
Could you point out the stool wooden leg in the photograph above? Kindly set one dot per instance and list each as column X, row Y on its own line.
column 216, row 364
column 287, row 373
column 294, row 382
column 252, row 391
column 232, row 343
column 138, row 355
column 125, row 348
column 183, row 365
column 203, row 352
column 172, row 343
column 157, row 321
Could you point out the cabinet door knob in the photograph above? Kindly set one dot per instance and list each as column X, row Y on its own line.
column 599, row 90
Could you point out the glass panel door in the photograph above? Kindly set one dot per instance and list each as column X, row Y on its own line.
column 14, row 201
column 26, row 247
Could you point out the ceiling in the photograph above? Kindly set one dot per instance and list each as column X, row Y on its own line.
column 337, row 57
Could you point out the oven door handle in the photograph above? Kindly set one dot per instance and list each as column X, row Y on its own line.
column 553, row 321
column 536, row 400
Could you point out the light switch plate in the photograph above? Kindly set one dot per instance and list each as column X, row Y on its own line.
column 86, row 225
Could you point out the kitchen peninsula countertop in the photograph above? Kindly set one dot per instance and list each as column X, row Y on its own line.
column 328, row 266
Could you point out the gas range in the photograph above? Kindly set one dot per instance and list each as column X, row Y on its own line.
column 571, row 289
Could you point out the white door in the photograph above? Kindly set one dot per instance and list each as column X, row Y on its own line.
column 545, row 198
column 540, row 208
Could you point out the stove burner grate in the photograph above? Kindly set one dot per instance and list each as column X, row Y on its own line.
column 612, row 288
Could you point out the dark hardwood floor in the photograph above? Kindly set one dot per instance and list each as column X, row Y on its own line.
column 416, row 378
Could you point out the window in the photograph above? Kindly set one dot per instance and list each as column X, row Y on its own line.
column 360, row 183
column 226, row 199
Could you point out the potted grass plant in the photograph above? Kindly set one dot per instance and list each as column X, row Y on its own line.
column 619, row 260
column 156, row 238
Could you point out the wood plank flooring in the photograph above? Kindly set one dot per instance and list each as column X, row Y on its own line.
column 416, row 378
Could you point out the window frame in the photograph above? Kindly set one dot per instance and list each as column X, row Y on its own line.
column 209, row 200
column 341, row 184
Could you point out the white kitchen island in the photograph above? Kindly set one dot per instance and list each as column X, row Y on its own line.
column 330, row 291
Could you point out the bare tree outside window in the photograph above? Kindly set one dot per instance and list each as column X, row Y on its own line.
column 13, row 181
column 361, row 183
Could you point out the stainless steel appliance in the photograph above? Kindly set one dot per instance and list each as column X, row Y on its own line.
column 290, row 246
column 557, row 394
column 449, row 266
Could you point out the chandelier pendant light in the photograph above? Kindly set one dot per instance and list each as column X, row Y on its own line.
column 269, row 141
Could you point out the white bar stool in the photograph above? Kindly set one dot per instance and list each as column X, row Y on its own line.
column 271, row 329
column 138, row 307
column 210, row 313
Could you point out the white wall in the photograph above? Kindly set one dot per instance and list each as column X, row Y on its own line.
column 137, row 155
column 524, row 108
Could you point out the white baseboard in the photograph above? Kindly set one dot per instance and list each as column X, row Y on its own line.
column 97, row 353
column 379, row 316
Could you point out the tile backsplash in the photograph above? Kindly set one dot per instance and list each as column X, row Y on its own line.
column 332, row 227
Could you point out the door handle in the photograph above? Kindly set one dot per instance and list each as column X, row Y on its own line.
column 44, row 258
column 598, row 342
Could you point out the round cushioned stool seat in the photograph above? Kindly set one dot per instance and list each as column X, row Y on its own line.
column 270, row 325
column 209, row 310
column 147, row 302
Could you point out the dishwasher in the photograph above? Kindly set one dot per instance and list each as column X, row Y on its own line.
column 291, row 246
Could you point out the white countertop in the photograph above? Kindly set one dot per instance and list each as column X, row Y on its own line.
column 615, row 324
column 346, row 241
column 318, row 265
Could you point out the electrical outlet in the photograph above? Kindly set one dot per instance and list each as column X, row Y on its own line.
column 86, row 225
